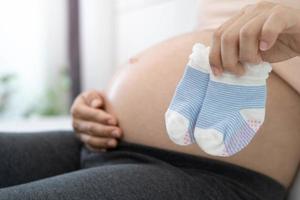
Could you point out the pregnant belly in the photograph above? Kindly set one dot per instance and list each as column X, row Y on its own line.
column 141, row 92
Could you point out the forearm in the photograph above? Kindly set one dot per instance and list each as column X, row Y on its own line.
column 289, row 71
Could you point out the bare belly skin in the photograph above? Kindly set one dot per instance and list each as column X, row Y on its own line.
column 140, row 94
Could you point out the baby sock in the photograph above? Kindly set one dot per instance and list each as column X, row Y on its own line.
column 186, row 103
column 233, row 111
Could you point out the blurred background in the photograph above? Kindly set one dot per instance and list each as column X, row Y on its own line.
column 51, row 50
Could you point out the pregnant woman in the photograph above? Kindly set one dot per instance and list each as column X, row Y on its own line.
column 127, row 153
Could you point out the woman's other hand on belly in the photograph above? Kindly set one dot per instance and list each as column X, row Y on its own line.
column 96, row 128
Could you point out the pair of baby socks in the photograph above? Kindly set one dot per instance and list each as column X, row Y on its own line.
column 221, row 114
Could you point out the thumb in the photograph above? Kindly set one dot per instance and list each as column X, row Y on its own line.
column 277, row 23
column 269, row 34
column 96, row 103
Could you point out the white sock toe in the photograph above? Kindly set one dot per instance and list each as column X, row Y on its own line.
column 177, row 127
column 211, row 141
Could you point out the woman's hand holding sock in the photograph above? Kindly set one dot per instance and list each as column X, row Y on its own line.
column 223, row 113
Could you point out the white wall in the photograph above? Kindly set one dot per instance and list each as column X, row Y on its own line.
column 114, row 30
column 142, row 25
column 97, row 42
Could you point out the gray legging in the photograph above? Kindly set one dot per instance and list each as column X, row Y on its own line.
column 54, row 166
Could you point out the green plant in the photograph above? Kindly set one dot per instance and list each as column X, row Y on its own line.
column 55, row 100
column 6, row 90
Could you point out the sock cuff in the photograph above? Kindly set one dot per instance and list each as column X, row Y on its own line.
column 255, row 75
column 199, row 58
column 259, row 71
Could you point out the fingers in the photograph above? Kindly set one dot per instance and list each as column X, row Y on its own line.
column 98, row 143
column 85, row 112
column 224, row 53
column 230, row 47
column 215, row 58
column 86, row 107
column 94, row 126
column 96, row 129
column 249, row 40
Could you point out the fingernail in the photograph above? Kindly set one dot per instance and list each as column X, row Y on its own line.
column 85, row 138
column 116, row 133
column 95, row 103
column 263, row 46
column 111, row 143
column 111, row 122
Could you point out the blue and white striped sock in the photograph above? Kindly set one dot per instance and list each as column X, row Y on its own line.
column 186, row 103
column 233, row 111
